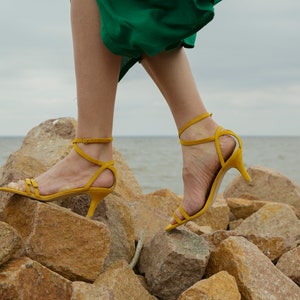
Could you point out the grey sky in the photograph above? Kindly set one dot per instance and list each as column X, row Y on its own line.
column 246, row 64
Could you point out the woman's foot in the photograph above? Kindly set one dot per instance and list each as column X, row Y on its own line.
column 201, row 164
column 73, row 171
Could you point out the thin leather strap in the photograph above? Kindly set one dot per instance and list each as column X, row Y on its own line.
column 192, row 122
column 92, row 140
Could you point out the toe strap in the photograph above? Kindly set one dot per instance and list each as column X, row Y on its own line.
column 184, row 214
column 31, row 187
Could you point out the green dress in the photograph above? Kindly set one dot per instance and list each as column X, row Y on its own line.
column 131, row 28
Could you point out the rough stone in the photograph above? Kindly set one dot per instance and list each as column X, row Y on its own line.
column 86, row 291
column 24, row 279
column 221, row 286
column 172, row 262
column 217, row 216
column 10, row 242
column 215, row 238
column 243, row 208
column 272, row 220
column 256, row 276
column 152, row 213
column 266, row 185
column 289, row 264
column 120, row 279
column 271, row 246
column 114, row 211
column 71, row 245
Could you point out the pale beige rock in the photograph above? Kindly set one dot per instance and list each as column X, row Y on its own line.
column 50, row 141
column 217, row 216
column 122, row 282
column 235, row 223
column 86, row 291
column 71, row 245
column 272, row 220
column 289, row 264
column 172, row 262
column 10, row 243
column 221, row 286
column 25, row 279
column 256, row 276
column 266, row 185
column 193, row 227
column 243, row 208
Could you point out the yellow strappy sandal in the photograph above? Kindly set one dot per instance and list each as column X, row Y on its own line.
column 96, row 193
column 234, row 161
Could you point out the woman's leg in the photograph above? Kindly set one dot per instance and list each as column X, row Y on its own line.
column 172, row 74
column 97, row 72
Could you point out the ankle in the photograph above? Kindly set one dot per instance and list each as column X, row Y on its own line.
column 203, row 129
column 98, row 151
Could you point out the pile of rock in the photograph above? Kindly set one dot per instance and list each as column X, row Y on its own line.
column 247, row 246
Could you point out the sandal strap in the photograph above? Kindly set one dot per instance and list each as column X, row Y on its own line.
column 215, row 138
column 92, row 140
column 193, row 121
column 31, row 184
column 103, row 165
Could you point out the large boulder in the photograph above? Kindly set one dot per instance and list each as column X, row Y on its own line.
column 172, row 262
column 221, row 286
column 256, row 276
column 26, row 279
column 266, row 185
column 10, row 243
column 66, row 243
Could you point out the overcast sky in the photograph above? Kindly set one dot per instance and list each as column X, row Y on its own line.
column 246, row 64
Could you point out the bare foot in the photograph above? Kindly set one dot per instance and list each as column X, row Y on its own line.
column 201, row 164
column 73, row 172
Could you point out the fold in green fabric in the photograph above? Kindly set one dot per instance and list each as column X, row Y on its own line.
column 131, row 28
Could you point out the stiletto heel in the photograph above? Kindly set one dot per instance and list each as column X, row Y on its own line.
column 235, row 160
column 96, row 193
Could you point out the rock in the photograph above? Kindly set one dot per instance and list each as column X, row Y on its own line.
column 50, row 141
column 215, row 238
column 151, row 213
column 127, row 185
column 256, row 276
column 172, row 262
column 71, row 245
column 122, row 282
column 289, row 264
column 272, row 220
column 26, row 279
column 217, row 216
column 243, row 208
column 114, row 211
column 10, row 242
column 221, row 286
column 86, row 291
column 266, row 185
column 193, row 227
column 271, row 246
column 235, row 223
column 117, row 216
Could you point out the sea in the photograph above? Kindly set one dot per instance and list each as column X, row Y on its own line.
column 156, row 161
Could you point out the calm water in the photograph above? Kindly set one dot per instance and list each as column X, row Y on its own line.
column 156, row 161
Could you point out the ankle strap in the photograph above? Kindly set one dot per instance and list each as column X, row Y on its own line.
column 92, row 141
column 193, row 121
